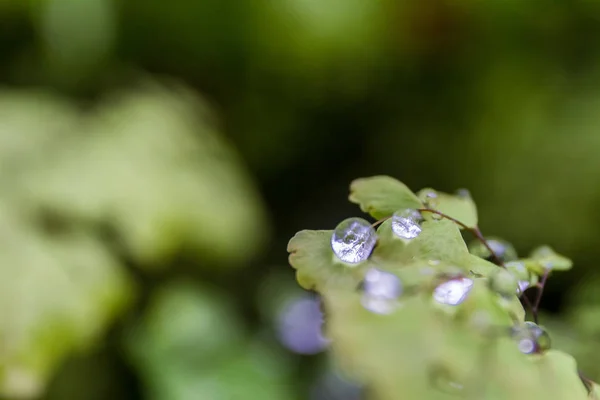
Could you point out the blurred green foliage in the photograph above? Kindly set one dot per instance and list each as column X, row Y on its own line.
column 148, row 143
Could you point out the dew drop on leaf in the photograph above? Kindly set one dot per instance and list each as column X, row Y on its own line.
column 353, row 240
column 429, row 198
column 463, row 193
column 381, row 291
column 531, row 338
column 406, row 224
column 453, row 292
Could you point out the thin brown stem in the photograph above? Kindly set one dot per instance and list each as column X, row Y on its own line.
column 381, row 221
column 527, row 302
column 474, row 230
column 588, row 383
column 541, row 285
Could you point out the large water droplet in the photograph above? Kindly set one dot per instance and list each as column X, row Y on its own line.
column 531, row 338
column 453, row 292
column 353, row 240
column 406, row 224
column 381, row 291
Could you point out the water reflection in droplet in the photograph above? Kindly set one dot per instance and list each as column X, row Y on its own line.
column 353, row 240
column 453, row 292
column 381, row 291
column 463, row 193
column 300, row 325
column 406, row 224
column 531, row 338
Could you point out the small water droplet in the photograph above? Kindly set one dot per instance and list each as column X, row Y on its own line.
column 531, row 338
column 353, row 240
column 429, row 197
column 464, row 193
column 406, row 224
column 381, row 291
column 453, row 292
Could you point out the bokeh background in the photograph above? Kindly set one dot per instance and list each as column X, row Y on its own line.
column 156, row 157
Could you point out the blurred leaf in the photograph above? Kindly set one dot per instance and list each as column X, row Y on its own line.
column 382, row 196
column 190, row 345
column 445, row 353
column 58, row 294
column 459, row 207
column 152, row 164
column 549, row 259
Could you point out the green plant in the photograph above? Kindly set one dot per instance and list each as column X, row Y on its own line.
column 415, row 313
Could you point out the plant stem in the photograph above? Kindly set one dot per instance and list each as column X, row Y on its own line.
column 382, row 220
column 474, row 230
column 538, row 299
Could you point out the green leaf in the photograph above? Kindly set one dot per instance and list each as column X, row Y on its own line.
column 439, row 240
column 549, row 259
column 58, row 295
column 425, row 354
column 316, row 266
column 152, row 164
column 459, row 207
column 382, row 196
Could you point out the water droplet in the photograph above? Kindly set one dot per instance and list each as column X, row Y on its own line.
column 523, row 286
column 531, row 338
column 429, row 197
column 381, row 291
column 353, row 240
column 464, row 193
column 503, row 282
column 453, row 292
column 406, row 224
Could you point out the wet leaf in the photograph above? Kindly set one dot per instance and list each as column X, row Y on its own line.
column 459, row 207
column 382, row 196
column 372, row 346
column 439, row 240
